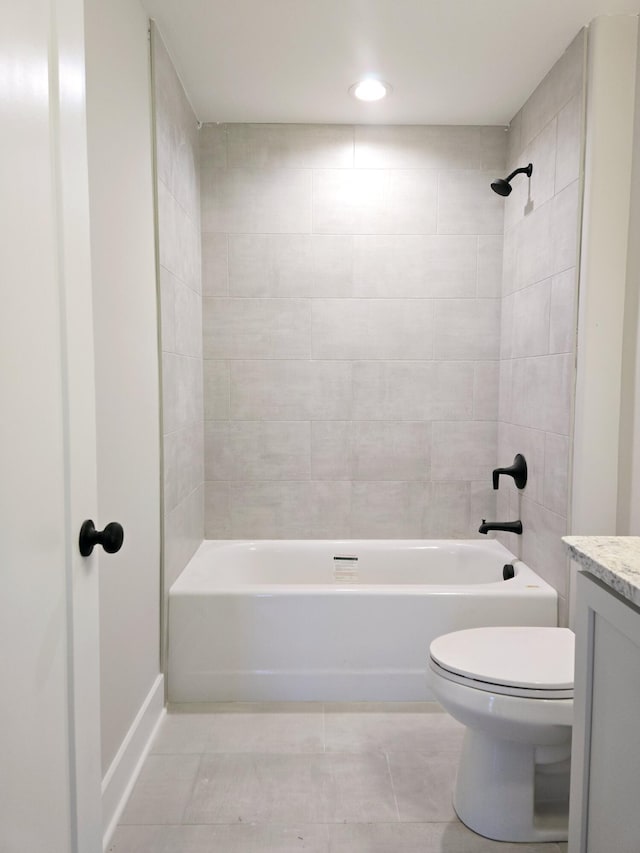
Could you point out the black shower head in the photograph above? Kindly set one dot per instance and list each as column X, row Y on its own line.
column 502, row 186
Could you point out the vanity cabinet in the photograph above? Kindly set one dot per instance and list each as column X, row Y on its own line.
column 605, row 766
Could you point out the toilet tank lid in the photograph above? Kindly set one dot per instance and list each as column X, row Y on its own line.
column 531, row 657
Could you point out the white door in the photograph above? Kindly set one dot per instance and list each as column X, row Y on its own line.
column 49, row 667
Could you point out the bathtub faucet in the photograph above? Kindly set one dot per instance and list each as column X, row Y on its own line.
column 508, row 526
column 518, row 471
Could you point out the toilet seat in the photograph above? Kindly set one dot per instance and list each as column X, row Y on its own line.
column 529, row 662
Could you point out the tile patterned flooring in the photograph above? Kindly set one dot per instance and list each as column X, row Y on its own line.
column 320, row 777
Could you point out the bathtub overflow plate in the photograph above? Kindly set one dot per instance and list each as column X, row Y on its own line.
column 345, row 568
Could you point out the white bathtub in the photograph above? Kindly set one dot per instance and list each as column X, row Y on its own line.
column 286, row 620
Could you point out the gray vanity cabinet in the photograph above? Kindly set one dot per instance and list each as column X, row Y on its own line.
column 605, row 767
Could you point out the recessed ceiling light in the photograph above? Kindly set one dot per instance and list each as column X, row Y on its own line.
column 369, row 89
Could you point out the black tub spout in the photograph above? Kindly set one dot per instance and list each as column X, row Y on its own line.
column 507, row 526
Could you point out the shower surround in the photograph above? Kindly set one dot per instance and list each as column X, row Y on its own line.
column 539, row 314
column 366, row 361
column 180, row 292
column 351, row 284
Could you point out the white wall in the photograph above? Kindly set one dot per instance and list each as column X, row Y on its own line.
column 123, row 258
column 603, row 274
column 629, row 451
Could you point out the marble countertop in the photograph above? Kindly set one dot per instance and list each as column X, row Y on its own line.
column 615, row 560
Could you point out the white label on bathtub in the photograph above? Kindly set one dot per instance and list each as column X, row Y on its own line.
column 345, row 575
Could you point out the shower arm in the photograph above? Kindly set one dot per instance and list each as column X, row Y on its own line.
column 523, row 170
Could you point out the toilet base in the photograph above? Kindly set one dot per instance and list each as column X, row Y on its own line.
column 510, row 791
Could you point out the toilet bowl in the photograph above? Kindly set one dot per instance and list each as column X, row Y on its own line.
column 512, row 687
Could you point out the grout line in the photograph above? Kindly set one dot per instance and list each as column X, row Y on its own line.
column 188, row 800
column 393, row 787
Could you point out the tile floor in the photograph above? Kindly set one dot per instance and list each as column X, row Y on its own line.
column 279, row 778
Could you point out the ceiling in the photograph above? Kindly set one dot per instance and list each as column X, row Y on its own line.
column 448, row 61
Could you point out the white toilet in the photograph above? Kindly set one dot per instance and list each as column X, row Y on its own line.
column 513, row 689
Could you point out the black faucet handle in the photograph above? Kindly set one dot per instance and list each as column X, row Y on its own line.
column 518, row 471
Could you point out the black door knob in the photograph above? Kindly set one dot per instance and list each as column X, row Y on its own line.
column 110, row 538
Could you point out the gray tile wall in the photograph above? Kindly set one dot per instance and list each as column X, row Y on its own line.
column 178, row 176
column 537, row 352
column 351, row 316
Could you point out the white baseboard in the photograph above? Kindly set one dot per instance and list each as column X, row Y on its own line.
column 122, row 774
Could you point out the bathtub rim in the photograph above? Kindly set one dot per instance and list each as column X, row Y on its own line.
column 525, row 577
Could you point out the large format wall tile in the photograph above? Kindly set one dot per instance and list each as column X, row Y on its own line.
column 534, row 253
column 347, row 312
column 466, row 204
column 389, row 450
column 413, row 390
column 490, row 248
column 466, row 328
column 183, row 464
column 182, row 391
column 463, row 450
column 561, row 84
column 563, row 320
column 428, row 147
column 215, row 264
column 254, row 200
column 542, row 392
column 531, row 307
column 569, row 143
column 178, row 240
column 448, row 509
column 176, row 134
column 564, row 220
column 392, row 510
column 374, row 201
column 180, row 289
column 486, row 388
column 543, row 546
column 167, row 309
column 216, row 390
column 256, row 328
column 183, row 531
column 541, row 152
column 188, row 320
column 556, row 474
column 372, row 329
column 538, row 328
column 213, row 148
column 331, row 450
column 290, row 265
column 415, row 266
column 289, row 510
column 298, row 146
column 290, row 390
column 257, row 450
